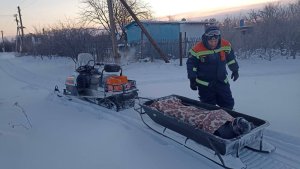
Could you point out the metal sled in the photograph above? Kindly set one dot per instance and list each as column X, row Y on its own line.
column 224, row 152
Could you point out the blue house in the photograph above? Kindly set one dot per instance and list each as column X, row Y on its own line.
column 163, row 30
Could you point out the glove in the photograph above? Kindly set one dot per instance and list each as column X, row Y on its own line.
column 235, row 75
column 193, row 84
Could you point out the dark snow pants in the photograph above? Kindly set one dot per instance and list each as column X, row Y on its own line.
column 217, row 93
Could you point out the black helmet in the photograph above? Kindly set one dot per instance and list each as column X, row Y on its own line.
column 212, row 31
column 241, row 126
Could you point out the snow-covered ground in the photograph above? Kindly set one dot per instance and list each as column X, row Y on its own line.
column 80, row 135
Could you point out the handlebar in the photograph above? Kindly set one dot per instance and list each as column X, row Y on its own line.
column 88, row 63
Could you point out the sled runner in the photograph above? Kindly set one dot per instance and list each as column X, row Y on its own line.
column 224, row 152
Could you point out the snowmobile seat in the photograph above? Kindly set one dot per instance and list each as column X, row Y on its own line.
column 112, row 68
column 109, row 68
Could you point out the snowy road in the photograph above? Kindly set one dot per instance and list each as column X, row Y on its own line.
column 82, row 135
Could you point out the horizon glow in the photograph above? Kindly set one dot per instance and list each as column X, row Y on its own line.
column 38, row 14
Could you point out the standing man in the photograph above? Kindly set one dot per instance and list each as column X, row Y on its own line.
column 206, row 67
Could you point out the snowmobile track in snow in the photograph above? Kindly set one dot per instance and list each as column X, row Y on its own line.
column 284, row 157
column 274, row 160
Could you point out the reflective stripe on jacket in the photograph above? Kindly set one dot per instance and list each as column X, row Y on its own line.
column 210, row 65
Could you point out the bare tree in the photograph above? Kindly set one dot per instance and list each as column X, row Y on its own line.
column 293, row 24
column 253, row 17
column 276, row 26
column 68, row 39
column 96, row 12
column 227, row 27
column 142, row 11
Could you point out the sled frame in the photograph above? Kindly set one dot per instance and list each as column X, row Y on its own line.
column 209, row 152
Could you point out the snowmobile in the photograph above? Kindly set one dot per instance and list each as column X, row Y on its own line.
column 102, row 84
column 224, row 152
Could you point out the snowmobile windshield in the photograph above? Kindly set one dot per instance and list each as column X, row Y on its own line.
column 84, row 59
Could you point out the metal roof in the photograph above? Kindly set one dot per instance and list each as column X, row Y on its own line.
column 170, row 22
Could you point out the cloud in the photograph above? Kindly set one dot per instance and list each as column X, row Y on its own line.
column 215, row 13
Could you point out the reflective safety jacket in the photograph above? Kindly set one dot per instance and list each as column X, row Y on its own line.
column 209, row 66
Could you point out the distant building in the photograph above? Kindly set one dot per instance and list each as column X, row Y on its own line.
column 163, row 30
column 243, row 28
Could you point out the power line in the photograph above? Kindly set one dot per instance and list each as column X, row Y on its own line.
column 11, row 15
column 25, row 6
column 22, row 1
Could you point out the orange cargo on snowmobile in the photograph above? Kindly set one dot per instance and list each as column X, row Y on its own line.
column 117, row 83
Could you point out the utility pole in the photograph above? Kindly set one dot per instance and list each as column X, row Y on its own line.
column 154, row 44
column 113, row 31
column 3, row 48
column 18, row 44
column 22, row 30
column 180, row 48
column 21, row 23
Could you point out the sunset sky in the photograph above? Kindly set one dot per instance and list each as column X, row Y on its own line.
column 44, row 13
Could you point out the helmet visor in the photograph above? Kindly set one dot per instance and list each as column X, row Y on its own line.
column 215, row 37
column 213, row 33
